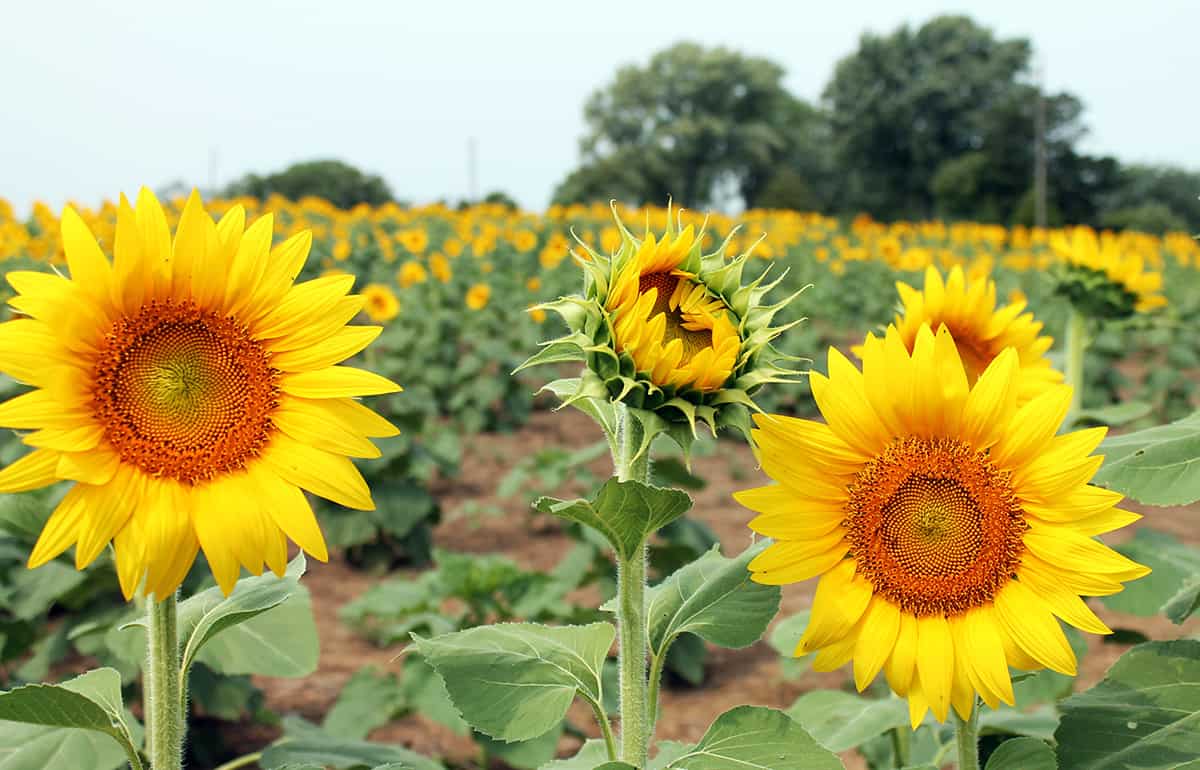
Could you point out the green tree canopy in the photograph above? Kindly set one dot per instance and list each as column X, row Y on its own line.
column 905, row 103
column 339, row 183
column 693, row 121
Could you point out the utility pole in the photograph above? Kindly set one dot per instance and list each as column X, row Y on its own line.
column 1039, row 148
column 472, row 171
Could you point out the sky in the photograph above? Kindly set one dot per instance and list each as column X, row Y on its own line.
column 97, row 98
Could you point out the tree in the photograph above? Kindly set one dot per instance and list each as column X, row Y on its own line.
column 692, row 121
column 339, row 183
column 903, row 104
column 1176, row 190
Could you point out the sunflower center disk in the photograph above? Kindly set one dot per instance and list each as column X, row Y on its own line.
column 934, row 526
column 184, row 393
column 694, row 340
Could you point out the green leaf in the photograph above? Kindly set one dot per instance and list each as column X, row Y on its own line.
column 1040, row 722
column 590, row 754
column 515, row 681
column 1144, row 714
column 209, row 613
column 36, row 747
column 756, row 737
column 369, row 700
column 1114, row 414
column 36, row 590
column 523, row 755
column 90, row 701
column 713, row 598
column 425, row 692
column 1185, row 602
column 306, row 745
column 1174, row 565
column 1156, row 466
column 1022, row 754
column 784, row 638
column 625, row 512
column 840, row 721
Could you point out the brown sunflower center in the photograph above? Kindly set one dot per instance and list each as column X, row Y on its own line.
column 183, row 392
column 934, row 525
column 694, row 340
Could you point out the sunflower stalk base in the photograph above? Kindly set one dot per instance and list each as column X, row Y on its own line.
column 163, row 694
column 966, row 738
column 630, row 465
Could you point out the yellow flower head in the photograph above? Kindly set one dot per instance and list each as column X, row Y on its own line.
column 1102, row 278
column 534, row 284
column 415, row 240
column 440, row 267
column 411, row 273
column 669, row 330
column 190, row 391
column 524, row 240
column 381, row 303
column 950, row 527
column 980, row 329
column 478, row 296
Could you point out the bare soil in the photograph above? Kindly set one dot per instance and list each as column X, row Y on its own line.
column 732, row 677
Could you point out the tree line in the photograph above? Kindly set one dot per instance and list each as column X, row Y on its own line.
column 933, row 121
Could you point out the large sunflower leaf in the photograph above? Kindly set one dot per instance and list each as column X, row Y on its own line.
column 1144, row 714
column 625, row 512
column 59, row 714
column 1022, row 754
column 305, row 745
column 1172, row 583
column 1156, row 466
column 756, row 737
column 515, row 681
column 840, row 721
column 713, row 598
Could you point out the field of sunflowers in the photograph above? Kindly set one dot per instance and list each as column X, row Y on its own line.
column 832, row 469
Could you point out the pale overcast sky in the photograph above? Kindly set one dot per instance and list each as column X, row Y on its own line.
column 102, row 97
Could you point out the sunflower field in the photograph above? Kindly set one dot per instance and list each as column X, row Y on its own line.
column 290, row 486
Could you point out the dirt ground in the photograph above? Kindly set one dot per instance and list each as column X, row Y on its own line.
column 732, row 677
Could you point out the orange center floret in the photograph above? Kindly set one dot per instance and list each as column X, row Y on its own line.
column 934, row 525
column 183, row 392
column 694, row 340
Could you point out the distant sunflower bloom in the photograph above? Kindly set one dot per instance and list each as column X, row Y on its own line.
column 190, row 391
column 411, row 273
column 948, row 525
column 381, row 304
column 1103, row 279
column 667, row 329
column 478, row 296
column 440, row 267
column 980, row 329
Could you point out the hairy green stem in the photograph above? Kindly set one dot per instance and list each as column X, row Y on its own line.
column 610, row 743
column 163, row 689
column 966, row 738
column 631, row 609
column 1075, row 347
column 656, row 667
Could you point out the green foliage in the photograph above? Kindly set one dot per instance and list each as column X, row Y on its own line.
column 339, row 183
column 1144, row 714
column 1173, row 586
column 515, row 681
column 625, row 512
column 752, row 736
column 677, row 126
column 1157, row 466
column 1022, row 754
column 841, row 721
column 91, row 701
column 308, row 746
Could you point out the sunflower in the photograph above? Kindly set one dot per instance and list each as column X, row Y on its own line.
column 381, row 304
column 980, row 329
column 478, row 296
column 669, row 331
column 948, row 524
column 189, row 390
column 675, row 330
column 1102, row 277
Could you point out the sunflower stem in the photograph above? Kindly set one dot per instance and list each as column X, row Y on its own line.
column 966, row 737
column 631, row 609
column 163, row 688
column 1076, row 345
column 901, row 744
